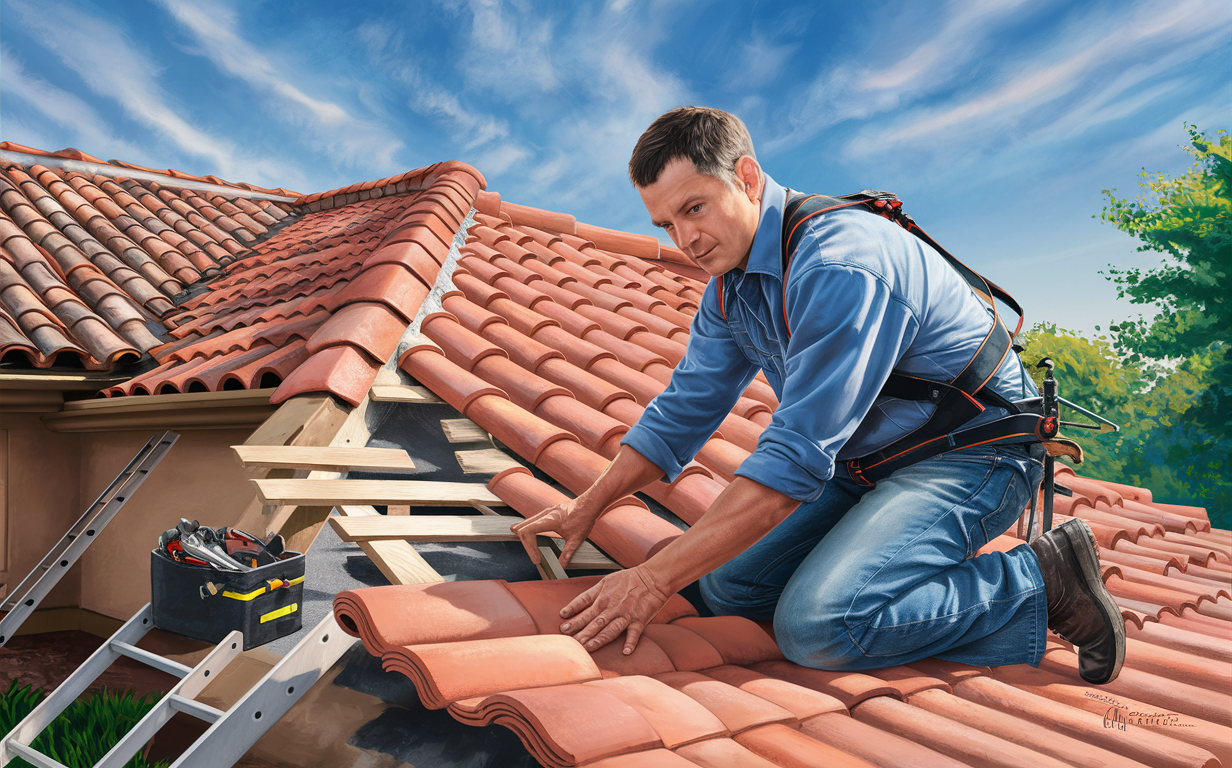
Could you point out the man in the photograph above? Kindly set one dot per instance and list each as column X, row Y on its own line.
column 854, row 577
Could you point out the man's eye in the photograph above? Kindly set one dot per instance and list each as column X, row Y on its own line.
column 696, row 208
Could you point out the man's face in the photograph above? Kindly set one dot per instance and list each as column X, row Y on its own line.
column 713, row 221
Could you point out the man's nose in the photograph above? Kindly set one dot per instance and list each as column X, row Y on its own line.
column 687, row 236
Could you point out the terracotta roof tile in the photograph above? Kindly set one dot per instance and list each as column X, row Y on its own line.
column 870, row 743
column 787, row 747
column 722, row 753
column 360, row 270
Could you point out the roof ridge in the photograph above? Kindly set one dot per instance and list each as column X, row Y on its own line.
column 415, row 180
column 108, row 168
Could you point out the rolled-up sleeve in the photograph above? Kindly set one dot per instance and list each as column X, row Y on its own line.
column 848, row 331
column 703, row 389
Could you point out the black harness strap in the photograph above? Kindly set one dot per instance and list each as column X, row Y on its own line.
column 958, row 400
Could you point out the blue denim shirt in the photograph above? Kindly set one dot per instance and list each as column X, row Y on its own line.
column 864, row 297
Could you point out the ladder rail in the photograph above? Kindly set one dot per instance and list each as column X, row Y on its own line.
column 35, row 586
column 178, row 699
column 73, row 686
column 33, row 756
column 241, row 726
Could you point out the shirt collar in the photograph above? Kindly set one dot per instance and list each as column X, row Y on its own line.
column 764, row 256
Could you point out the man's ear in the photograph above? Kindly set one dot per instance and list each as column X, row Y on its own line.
column 748, row 178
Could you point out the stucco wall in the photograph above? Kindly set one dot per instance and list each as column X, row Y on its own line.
column 41, row 500
column 199, row 479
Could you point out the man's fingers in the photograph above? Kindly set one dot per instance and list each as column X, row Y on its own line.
column 566, row 552
column 579, row 603
column 609, row 633
column 635, row 633
column 529, row 544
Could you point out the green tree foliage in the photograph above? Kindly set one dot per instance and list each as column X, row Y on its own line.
column 1166, row 380
column 1158, row 447
column 1189, row 219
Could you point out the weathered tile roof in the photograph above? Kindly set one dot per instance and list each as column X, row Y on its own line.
column 320, row 305
column 90, row 264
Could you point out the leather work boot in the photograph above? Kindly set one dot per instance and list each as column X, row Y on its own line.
column 1080, row 609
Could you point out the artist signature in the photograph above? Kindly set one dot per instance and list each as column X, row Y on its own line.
column 1119, row 716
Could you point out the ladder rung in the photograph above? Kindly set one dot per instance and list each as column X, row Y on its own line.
column 32, row 755
column 195, row 708
column 152, row 659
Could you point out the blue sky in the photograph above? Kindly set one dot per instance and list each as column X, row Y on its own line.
column 999, row 122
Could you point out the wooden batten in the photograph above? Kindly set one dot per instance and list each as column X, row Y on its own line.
column 324, row 458
column 463, row 431
column 459, row 528
column 403, row 393
column 488, row 461
column 419, row 493
column 398, row 560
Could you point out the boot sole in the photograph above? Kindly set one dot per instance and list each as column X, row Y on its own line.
column 1086, row 549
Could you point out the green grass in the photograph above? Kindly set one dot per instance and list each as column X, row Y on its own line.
column 85, row 731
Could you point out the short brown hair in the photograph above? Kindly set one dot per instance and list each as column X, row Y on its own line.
column 713, row 139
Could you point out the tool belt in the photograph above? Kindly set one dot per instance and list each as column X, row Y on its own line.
column 957, row 401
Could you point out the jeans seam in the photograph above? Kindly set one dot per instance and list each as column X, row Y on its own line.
column 998, row 510
column 846, row 617
column 1022, row 596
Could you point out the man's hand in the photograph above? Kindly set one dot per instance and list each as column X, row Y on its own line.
column 623, row 600
column 572, row 520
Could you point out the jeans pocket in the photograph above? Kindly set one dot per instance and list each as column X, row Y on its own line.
column 1013, row 502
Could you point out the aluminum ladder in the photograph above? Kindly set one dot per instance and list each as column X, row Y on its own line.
column 32, row 589
column 231, row 733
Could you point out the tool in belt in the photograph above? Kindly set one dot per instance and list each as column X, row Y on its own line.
column 958, row 400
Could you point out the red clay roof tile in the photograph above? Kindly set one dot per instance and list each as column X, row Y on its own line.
column 341, row 371
column 1057, row 729
column 562, row 719
column 879, row 747
column 524, row 433
column 738, row 709
column 469, row 668
column 458, row 387
column 677, row 719
column 687, row 650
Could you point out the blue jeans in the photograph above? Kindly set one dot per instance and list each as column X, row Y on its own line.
column 867, row 578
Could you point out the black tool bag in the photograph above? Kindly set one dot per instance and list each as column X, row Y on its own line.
column 204, row 603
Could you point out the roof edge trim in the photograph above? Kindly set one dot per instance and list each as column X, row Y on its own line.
column 238, row 409
column 115, row 171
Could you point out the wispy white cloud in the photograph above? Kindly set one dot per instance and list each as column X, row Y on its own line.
column 329, row 126
column 761, row 61
column 478, row 132
column 584, row 86
column 873, row 79
column 113, row 68
column 512, row 49
column 1099, row 70
column 67, row 111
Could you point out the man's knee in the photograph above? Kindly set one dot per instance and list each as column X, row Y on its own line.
column 814, row 633
column 826, row 646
